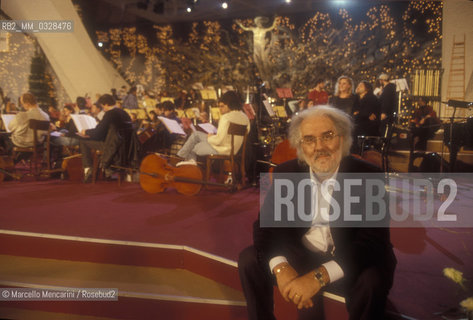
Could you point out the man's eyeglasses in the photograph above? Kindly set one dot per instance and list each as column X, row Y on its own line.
column 325, row 138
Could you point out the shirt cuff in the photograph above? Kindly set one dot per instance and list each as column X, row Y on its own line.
column 275, row 261
column 334, row 270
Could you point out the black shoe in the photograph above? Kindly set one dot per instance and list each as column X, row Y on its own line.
column 87, row 177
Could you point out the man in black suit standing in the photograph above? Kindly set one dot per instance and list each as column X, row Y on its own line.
column 388, row 101
column 301, row 259
column 95, row 138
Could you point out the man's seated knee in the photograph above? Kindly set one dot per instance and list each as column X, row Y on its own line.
column 247, row 258
column 372, row 280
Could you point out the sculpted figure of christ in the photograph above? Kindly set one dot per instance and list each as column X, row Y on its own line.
column 260, row 52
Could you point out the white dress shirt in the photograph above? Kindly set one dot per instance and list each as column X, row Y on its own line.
column 319, row 237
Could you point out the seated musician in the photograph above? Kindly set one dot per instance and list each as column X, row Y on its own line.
column 95, row 138
column 162, row 139
column 424, row 124
column 54, row 113
column 158, row 109
column 21, row 134
column 67, row 129
column 202, row 144
column 318, row 94
column 65, row 142
column 97, row 112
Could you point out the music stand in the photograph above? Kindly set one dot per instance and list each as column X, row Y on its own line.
column 208, row 94
column 401, row 86
column 284, row 93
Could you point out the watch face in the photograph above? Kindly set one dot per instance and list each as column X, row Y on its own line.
column 319, row 277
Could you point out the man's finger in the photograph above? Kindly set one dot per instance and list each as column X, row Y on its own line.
column 306, row 304
column 285, row 293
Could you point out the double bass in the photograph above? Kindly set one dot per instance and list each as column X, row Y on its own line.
column 156, row 175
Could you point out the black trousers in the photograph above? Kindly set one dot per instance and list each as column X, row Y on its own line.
column 365, row 295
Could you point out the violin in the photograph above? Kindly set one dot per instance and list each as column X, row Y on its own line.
column 156, row 175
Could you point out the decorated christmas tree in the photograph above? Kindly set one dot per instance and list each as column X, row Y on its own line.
column 40, row 80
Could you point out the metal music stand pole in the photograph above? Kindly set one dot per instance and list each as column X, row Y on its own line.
column 452, row 119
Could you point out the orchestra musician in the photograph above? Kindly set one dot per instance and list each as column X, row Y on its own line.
column 21, row 134
column 424, row 124
column 95, row 138
column 67, row 129
column 344, row 99
column 388, row 101
column 201, row 144
column 366, row 116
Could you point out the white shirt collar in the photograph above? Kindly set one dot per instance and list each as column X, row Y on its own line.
column 313, row 177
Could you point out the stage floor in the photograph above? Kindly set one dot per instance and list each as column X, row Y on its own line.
column 220, row 223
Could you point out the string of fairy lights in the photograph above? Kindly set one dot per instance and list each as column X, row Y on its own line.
column 320, row 47
column 15, row 62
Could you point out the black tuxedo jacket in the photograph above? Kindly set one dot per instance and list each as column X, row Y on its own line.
column 356, row 248
column 388, row 100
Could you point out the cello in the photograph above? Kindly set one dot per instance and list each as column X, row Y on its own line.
column 282, row 153
column 156, row 175
column 7, row 168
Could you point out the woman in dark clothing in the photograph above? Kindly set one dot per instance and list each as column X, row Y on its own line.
column 366, row 115
column 344, row 99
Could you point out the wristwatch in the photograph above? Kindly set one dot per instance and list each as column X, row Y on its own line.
column 320, row 278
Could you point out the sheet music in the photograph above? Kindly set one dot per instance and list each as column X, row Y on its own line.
column 55, row 134
column 269, row 108
column 250, row 112
column 208, row 127
column 280, row 111
column 215, row 112
column 180, row 113
column 208, row 94
column 284, row 93
column 401, row 84
column 172, row 125
column 83, row 122
column 6, row 120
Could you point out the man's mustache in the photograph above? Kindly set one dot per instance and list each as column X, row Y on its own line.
column 322, row 154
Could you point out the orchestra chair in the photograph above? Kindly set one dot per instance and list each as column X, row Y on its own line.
column 97, row 154
column 122, row 152
column 38, row 149
column 236, row 157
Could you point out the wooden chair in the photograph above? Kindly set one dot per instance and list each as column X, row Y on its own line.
column 236, row 157
column 120, row 157
column 97, row 155
column 38, row 149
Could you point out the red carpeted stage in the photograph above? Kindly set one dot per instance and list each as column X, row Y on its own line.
column 106, row 227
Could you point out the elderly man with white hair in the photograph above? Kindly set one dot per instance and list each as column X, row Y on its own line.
column 303, row 260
